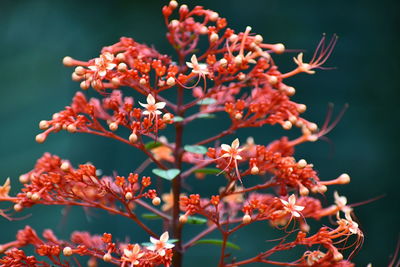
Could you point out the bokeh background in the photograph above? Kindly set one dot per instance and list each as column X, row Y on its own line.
column 36, row 35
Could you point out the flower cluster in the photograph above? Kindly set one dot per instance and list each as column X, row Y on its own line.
column 235, row 78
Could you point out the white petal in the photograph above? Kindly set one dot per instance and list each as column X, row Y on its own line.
column 193, row 59
column 143, row 105
column 110, row 66
column 150, row 100
column 161, row 252
column 226, row 155
column 238, row 157
column 153, row 240
column 164, row 237
column 299, row 208
column 102, row 73
column 292, row 199
column 160, row 105
column 226, row 147
column 296, row 214
column 235, row 143
column 284, row 202
column 94, row 68
column 146, row 112
column 127, row 253
column 158, row 112
column 190, row 65
column 152, row 248
column 169, row 245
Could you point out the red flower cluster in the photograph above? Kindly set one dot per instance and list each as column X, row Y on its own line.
column 234, row 77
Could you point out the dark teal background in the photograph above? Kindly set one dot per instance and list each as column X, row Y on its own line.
column 36, row 35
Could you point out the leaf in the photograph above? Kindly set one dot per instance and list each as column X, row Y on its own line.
column 151, row 216
column 196, row 220
column 167, row 174
column 208, row 171
column 152, row 144
column 206, row 116
column 178, row 119
column 207, row 101
column 217, row 242
column 195, row 149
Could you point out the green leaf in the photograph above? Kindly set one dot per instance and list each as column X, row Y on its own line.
column 208, row 171
column 206, row 116
column 151, row 216
column 217, row 242
column 152, row 144
column 167, row 174
column 195, row 149
column 207, row 101
column 196, row 220
column 178, row 119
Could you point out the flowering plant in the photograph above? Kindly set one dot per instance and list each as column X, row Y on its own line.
column 235, row 74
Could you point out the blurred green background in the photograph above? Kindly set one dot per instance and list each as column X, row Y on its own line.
column 36, row 35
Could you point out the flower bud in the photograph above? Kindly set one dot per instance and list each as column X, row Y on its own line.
column 302, row 163
column 258, row 39
column 255, row 170
column 142, row 81
column 40, row 138
column 75, row 77
column 68, row 61
column 301, row 108
column 67, row 251
column 223, row 62
column 156, row 201
column 122, row 67
column 279, row 48
column 71, row 128
column 43, row 125
column 24, row 178
column 65, row 166
column 238, row 116
column 287, row 125
column 107, row 257
column 120, row 57
column 128, row 196
column 84, row 85
column 173, row 4
column 116, row 81
column 183, row 219
column 214, row 37
column 246, row 219
column 35, row 196
column 113, row 126
column 133, row 138
column 171, row 81
column 18, row 207
column 344, row 179
column 80, row 70
column 214, row 16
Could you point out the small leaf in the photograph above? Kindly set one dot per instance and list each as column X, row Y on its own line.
column 151, row 216
column 167, row 174
column 207, row 101
column 196, row 220
column 206, row 116
column 217, row 242
column 152, row 144
column 195, row 149
column 208, row 171
column 178, row 119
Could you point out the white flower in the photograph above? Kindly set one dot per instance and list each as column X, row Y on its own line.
column 291, row 206
column 132, row 255
column 160, row 245
column 199, row 68
column 103, row 63
column 152, row 108
column 232, row 151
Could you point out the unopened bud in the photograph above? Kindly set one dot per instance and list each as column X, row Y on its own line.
column 142, row 81
column 238, row 60
column 128, row 196
column 302, row 163
column 223, row 62
column 183, row 219
column 287, row 125
column 84, row 85
column 167, row 117
column 238, row 116
column 301, row 108
column 18, row 207
column 68, row 61
column 173, row 4
column 43, row 125
column 122, row 67
column 80, row 70
column 171, row 81
column 337, row 256
column 241, row 76
column 258, row 39
column 75, row 77
column 279, row 48
column 107, row 257
column 304, row 227
column 214, row 16
column 71, row 128
column 233, row 38
column 65, row 166
column 156, row 201
column 246, row 219
column 113, row 126
column 67, row 251
column 255, row 170
column 133, row 138
column 304, row 191
column 40, row 138
column 344, row 179
column 313, row 127
column 35, row 196
column 24, row 178
column 203, row 30
column 214, row 37
column 116, row 81
column 273, row 79
column 120, row 57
